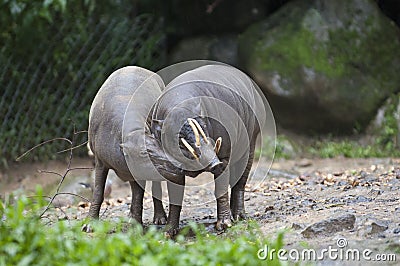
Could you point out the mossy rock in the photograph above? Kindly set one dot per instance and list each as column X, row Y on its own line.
column 386, row 126
column 325, row 66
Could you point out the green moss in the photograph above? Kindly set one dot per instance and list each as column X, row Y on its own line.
column 388, row 135
column 296, row 48
column 335, row 52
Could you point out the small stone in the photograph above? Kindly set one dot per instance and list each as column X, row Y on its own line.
column 297, row 226
column 363, row 174
column 359, row 199
column 396, row 230
column 330, row 226
column 396, row 172
column 83, row 204
column 338, row 173
column 377, row 227
column 334, row 200
column 370, row 178
column 269, row 208
column 342, row 183
column 304, row 163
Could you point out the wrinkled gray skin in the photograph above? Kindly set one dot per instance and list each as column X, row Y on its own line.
column 105, row 138
column 106, row 141
column 175, row 95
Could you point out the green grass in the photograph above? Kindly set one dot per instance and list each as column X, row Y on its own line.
column 25, row 240
column 346, row 148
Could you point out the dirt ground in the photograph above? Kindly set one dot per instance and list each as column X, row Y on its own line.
column 317, row 202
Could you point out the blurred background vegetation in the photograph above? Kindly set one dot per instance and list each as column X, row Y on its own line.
column 55, row 54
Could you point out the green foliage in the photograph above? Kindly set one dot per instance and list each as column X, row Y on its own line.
column 385, row 139
column 352, row 149
column 279, row 148
column 389, row 131
column 24, row 240
column 56, row 55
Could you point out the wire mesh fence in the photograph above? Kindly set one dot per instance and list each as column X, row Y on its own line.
column 47, row 93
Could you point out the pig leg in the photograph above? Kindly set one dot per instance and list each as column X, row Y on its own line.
column 137, row 188
column 159, row 214
column 237, row 190
column 175, row 194
column 237, row 199
column 98, row 192
column 221, row 194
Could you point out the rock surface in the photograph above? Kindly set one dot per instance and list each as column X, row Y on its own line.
column 330, row 226
column 324, row 65
column 387, row 122
column 188, row 18
column 222, row 48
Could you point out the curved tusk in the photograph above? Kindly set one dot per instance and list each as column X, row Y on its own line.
column 218, row 144
column 200, row 129
column 195, row 131
column 190, row 148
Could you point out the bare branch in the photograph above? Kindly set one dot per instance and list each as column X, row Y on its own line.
column 71, row 142
column 37, row 196
column 81, row 168
column 73, row 194
column 61, row 175
column 40, row 144
column 50, row 172
column 73, row 148
column 80, row 132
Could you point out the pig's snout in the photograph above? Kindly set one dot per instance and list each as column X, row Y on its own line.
column 215, row 165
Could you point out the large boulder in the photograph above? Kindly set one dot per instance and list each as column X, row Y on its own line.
column 325, row 66
column 385, row 128
column 197, row 17
column 222, row 48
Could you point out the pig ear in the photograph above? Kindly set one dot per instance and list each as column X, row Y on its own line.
column 156, row 125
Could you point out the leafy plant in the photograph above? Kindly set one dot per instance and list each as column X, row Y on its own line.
column 385, row 142
column 25, row 240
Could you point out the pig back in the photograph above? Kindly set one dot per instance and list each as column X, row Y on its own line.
column 109, row 114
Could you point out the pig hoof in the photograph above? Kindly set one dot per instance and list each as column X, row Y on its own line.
column 171, row 233
column 240, row 216
column 159, row 219
column 223, row 224
column 87, row 228
column 137, row 218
